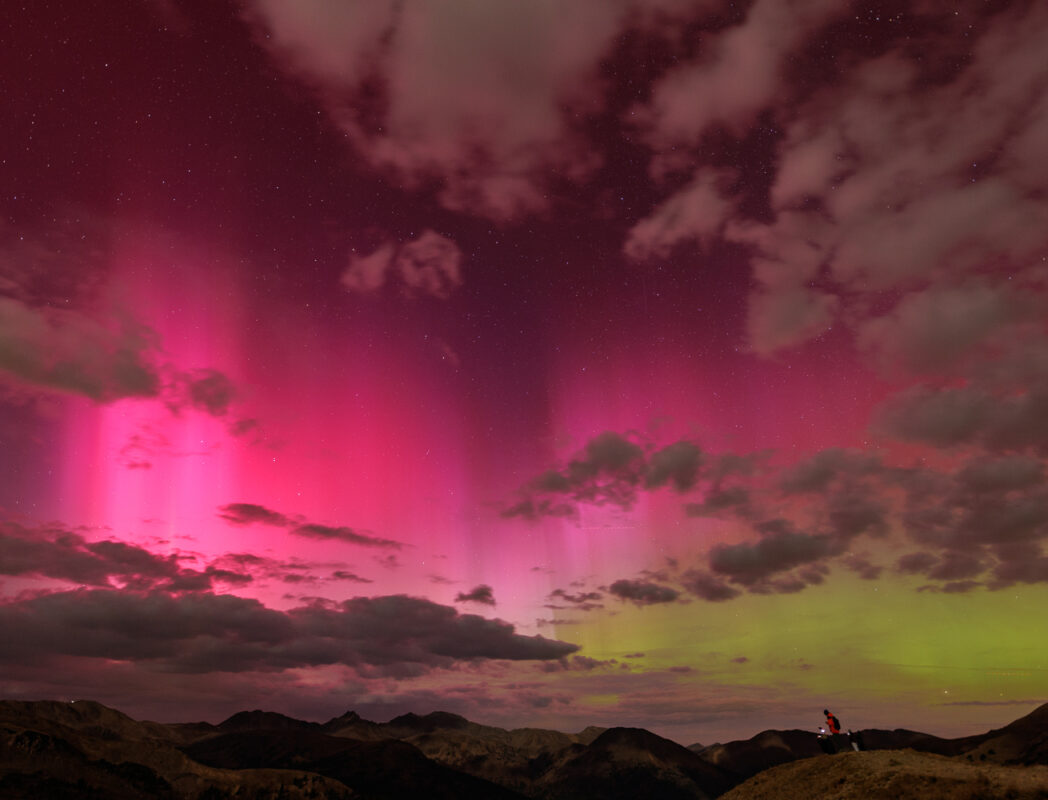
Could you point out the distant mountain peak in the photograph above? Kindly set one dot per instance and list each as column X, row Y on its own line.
column 435, row 720
column 264, row 720
column 348, row 718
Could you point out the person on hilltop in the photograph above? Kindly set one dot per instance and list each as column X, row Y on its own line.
column 833, row 725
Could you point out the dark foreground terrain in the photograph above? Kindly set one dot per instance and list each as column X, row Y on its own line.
column 85, row 750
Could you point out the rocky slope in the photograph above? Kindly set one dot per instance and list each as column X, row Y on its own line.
column 893, row 775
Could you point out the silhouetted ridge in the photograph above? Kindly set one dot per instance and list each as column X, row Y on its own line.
column 767, row 749
column 635, row 737
column 437, row 720
column 627, row 763
column 382, row 770
column 349, row 718
column 877, row 739
column 265, row 721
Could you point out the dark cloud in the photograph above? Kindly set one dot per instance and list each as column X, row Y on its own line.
column 70, row 351
column 580, row 601
column 343, row 534
column 734, row 498
column 1031, row 569
column 702, row 584
column 914, row 563
column 298, row 577
column 251, row 513
column 210, row 391
column 389, row 561
column 204, row 632
column 953, row 566
column 533, row 509
column 478, row 594
column 610, row 469
column 52, row 552
column 607, row 470
column 817, row 473
column 780, row 550
column 343, row 575
column 951, row 416
column 1001, row 474
column 643, row 593
column 57, row 337
column 954, row 587
column 242, row 427
column 853, row 514
column 943, row 418
column 863, row 567
column 677, row 464
column 578, row 664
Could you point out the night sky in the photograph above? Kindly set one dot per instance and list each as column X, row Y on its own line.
column 679, row 364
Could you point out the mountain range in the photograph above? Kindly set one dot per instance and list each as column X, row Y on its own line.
column 84, row 749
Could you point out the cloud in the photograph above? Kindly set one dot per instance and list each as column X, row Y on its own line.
column 787, row 318
column 676, row 464
column 62, row 554
column 734, row 498
column 1024, row 562
column 533, row 509
column 896, row 184
column 579, row 601
column 737, row 73
column 478, row 594
column 344, row 575
column 57, row 336
column 484, row 125
column 863, row 567
column 782, row 549
column 1003, row 474
column 251, row 513
column 931, row 331
column 987, row 519
column 954, row 587
column 950, row 416
column 64, row 351
column 643, row 593
column 695, row 214
column 827, row 467
column 610, row 469
column 578, row 664
column 429, row 265
column 342, row 534
column 201, row 632
column 209, row 390
column 915, row 562
column 366, row 274
column 706, row 586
